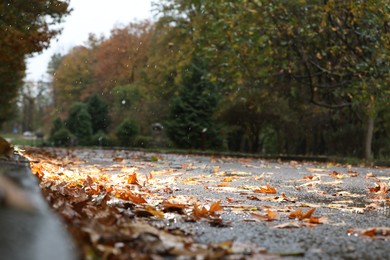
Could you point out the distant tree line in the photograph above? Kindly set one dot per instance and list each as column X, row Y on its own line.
column 281, row 77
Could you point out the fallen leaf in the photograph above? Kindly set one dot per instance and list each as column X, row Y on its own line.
column 295, row 214
column 268, row 189
column 132, row 179
column 223, row 184
column 204, row 213
column 215, row 207
column 118, row 159
column 308, row 214
column 228, row 179
column 372, row 232
column 300, row 215
column 337, row 175
column 289, row 225
column 270, row 216
column 173, row 207
column 315, row 170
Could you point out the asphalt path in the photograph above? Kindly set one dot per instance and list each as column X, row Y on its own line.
column 351, row 217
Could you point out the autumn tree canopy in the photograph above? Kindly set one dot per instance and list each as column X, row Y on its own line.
column 309, row 77
column 25, row 28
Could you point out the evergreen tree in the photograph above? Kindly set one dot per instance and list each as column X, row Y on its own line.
column 98, row 110
column 79, row 122
column 191, row 123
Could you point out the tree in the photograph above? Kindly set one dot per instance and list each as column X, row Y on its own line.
column 73, row 77
column 191, row 123
column 98, row 109
column 340, row 52
column 79, row 122
column 25, row 29
column 121, row 57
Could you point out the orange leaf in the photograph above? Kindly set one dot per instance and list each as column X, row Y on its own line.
column 223, row 184
column 204, row 213
column 154, row 212
column 369, row 232
column 132, row 179
column 315, row 220
column 307, row 214
column 215, row 207
column 295, row 214
column 137, row 199
column 228, row 179
column 199, row 213
column 268, row 189
column 270, row 216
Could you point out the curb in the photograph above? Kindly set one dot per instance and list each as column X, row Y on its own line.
column 29, row 228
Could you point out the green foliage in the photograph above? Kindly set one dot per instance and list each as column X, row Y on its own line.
column 57, row 125
column 101, row 139
column 126, row 132
column 143, row 141
column 98, row 109
column 79, row 122
column 62, row 137
column 191, row 123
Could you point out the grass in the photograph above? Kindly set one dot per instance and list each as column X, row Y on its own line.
column 20, row 140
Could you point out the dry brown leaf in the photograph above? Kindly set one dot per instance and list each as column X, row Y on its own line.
column 118, row 159
column 173, row 207
column 289, row 225
column 337, row 175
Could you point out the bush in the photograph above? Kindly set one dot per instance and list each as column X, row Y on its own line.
column 126, row 132
column 79, row 123
column 57, row 125
column 143, row 141
column 62, row 137
column 101, row 139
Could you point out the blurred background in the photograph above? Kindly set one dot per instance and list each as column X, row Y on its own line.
column 301, row 77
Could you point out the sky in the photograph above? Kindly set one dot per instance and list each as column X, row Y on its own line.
column 88, row 16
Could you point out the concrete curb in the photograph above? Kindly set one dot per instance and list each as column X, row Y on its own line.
column 29, row 228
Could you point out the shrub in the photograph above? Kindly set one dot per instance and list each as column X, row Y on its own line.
column 57, row 125
column 101, row 139
column 126, row 132
column 62, row 137
column 79, row 123
column 143, row 141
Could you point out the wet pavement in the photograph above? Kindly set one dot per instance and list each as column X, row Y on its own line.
column 28, row 227
column 351, row 202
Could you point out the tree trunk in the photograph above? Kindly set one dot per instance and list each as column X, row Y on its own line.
column 369, row 136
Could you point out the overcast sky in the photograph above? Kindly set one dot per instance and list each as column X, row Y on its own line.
column 88, row 16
